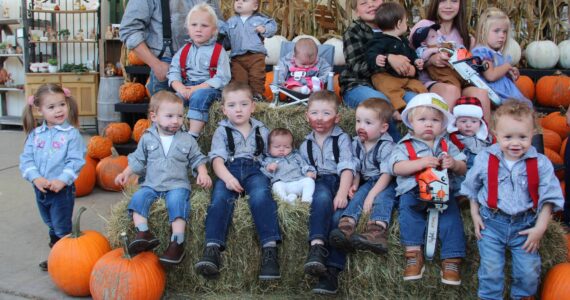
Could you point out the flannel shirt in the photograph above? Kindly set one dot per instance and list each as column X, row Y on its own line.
column 357, row 71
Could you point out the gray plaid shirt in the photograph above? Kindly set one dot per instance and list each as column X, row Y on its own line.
column 366, row 165
column 245, row 146
column 289, row 168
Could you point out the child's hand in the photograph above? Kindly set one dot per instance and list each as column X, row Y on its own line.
column 429, row 162
column 121, row 179
column 260, row 29
column 56, row 185
column 514, row 73
column 447, row 162
column 397, row 116
column 419, row 64
column 352, row 190
column 534, row 235
column 478, row 224
column 339, row 202
column 368, row 204
column 204, row 180
column 312, row 175
column 272, row 167
column 381, row 60
column 233, row 184
column 42, row 184
column 186, row 92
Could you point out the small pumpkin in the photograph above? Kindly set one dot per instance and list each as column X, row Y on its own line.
column 564, row 48
column 86, row 180
column 542, row 54
column 132, row 92
column 108, row 169
column 72, row 258
column 273, row 46
column 99, row 147
column 338, row 45
column 119, row 133
column 526, row 86
column 268, row 94
column 554, row 90
column 551, row 140
column 513, row 49
column 120, row 275
column 336, row 86
column 556, row 284
column 134, row 60
column 556, row 121
column 140, row 126
column 556, row 161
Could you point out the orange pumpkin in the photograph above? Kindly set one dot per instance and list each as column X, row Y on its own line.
column 336, row 86
column 119, row 275
column 132, row 92
column 268, row 94
column 108, row 168
column 556, row 121
column 72, row 258
column 140, row 126
column 134, row 60
column 99, row 147
column 119, row 133
column 526, row 86
column 556, row 160
column 554, row 90
column 563, row 149
column 556, row 285
column 551, row 140
column 85, row 182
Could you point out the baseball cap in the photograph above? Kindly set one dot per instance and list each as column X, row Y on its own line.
column 432, row 100
column 420, row 31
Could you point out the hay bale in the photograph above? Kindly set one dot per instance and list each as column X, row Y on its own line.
column 366, row 276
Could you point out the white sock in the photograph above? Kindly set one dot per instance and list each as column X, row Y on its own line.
column 291, row 198
column 305, row 90
column 316, row 83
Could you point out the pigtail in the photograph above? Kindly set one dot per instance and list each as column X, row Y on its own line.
column 28, row 119
column 73, row 116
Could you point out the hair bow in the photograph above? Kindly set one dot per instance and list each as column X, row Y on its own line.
column 31, row 99
column 67, row 92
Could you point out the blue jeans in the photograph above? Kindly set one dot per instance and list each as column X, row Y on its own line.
column 382, row 206
column 502, row 232
column 457, row 180
column 413, row 225
column 177, row 202
column 154, row 85
column 200, row 101
column 322, row 218
column 56, row 210
column 261, row 204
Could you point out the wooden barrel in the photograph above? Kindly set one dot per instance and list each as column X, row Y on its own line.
column 106, row 100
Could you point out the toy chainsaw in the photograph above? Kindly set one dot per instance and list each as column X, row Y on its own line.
column 468, row 67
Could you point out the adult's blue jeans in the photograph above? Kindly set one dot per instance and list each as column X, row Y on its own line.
column 154, row 85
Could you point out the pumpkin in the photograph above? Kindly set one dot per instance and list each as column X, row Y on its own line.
column 563, row 149
column 72, row 258
column 556, row 121
column 99, row 147
column 108, row 168
column 526, row 85
column 85, row 182
column 564, row 48
column 556, row 160
column 542, row 54
column 140, row 126
column 551, row 140
column 513, row 50
column 120, row 275
column 554, row 90
column 119, row 133
column 273, row 46
column 338, row 51
column 268, row 94
column 336, row 86
column 132, row 92
column 134, row 60
column 556, row 284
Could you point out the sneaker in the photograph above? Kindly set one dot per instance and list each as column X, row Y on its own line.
column 450, row 269
column 269, row 264
column 144, row 241
column 209, row 265
column 374, row 238
column 328, row 283
column 315, row 264
column 414, row 265
column 174, row 254
column 340, row 237
column 43, row 266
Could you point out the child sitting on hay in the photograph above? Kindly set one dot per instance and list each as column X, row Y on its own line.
column 238, row 145
column 513, row 191
column 167, row 153
column 328, row 149
column 373, row 187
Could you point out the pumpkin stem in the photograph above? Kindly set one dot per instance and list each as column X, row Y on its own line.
column 125, row 241
column 75, row 228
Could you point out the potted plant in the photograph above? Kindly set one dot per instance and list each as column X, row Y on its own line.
column 3, row 48
column 64, row 34
column 52, row 68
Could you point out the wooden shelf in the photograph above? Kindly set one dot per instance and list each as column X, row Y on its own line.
column 11, row 120
column 85, row 11
column 11, row 55
column 9, row 21
column 11, row 89
column 65, row 42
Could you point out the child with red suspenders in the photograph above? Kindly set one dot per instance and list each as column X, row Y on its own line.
column 200, row 69
column 513, row 192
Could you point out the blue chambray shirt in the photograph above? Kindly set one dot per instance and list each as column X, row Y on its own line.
column 406, row 183
column 366, row 165
column 53, row 153
column 243, row 36
column 292, row 167
column 245, row 146
column 324, row 158
column 513, row 195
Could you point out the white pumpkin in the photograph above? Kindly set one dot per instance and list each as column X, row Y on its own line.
column 542, row 54
column 338, row 51
column 564, row 48
column 273, row 46
column 513, row 50
column 306, row 36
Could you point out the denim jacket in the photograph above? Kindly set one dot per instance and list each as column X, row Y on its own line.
column 407, row 183
column 244, row 146
column 53, row 153
column 366, row 162
column 289, row 168
column 243, row 36
column 513, row 196
column 165, row 172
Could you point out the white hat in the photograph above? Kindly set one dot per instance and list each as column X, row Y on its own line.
column 469, row 107
column 430, row 100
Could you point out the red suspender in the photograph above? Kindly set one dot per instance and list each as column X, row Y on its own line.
column 213, row 60
column 493, row 180
column 456, row 141
column 444, row 147
column 532, row 176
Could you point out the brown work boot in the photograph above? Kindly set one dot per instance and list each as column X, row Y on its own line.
column 414, row 265
column 450, row 271
column 144, row 241
column 174, row 254
column 340, row 237
column 374, row 238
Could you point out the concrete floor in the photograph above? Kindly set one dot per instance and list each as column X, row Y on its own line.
column 23, row 235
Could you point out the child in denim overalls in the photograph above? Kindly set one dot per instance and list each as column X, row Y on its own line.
column 427, row 116
column 328, row 148
column 238, row 146
column 53, row 155
column 510, row 210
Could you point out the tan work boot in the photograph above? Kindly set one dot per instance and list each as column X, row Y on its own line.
column 414, row 265
column 450, row 271
column 374, row 238
column 340, row 237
